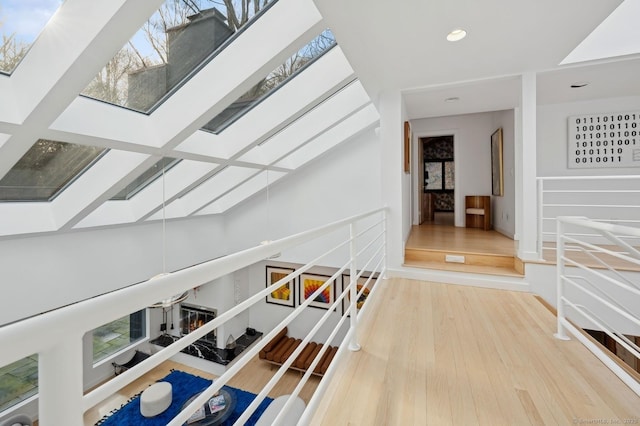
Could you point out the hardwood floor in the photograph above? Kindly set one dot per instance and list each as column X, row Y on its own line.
column 252, row 378
column 484, row 252
column 438, row 354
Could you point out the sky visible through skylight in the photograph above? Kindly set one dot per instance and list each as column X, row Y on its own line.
column 26, row 18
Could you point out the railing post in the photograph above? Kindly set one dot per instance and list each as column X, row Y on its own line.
column 60, row 383
column 384, row 243
column 540, row 194
column 353, row 291
column 560, row 228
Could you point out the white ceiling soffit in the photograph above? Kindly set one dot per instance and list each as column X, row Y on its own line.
column 467, row 98
column 326, row 115
column 353, row 125
column 617, row 35
column 241, row 193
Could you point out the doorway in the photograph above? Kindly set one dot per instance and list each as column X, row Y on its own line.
column 437, row 179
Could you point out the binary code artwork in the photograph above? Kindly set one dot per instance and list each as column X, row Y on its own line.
column 604, row 140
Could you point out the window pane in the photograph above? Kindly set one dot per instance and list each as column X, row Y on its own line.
column 20, row 23
column 177, row 39
column 276, row 78
column 153, row 173
column 18, row 381
column 116, row 335
column 45, row 169
column 433, row 177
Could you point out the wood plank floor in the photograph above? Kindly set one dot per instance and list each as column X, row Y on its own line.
column 437, row 354
column 463, row 240
column 251, row 378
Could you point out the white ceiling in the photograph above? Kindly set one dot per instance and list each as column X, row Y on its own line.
column 402, row 46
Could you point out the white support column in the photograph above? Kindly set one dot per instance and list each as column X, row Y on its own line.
column 527, row 247
column 561, row 332
column 60, row 386
column 390, row 109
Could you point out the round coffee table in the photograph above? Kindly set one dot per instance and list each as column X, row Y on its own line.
column 213, row 419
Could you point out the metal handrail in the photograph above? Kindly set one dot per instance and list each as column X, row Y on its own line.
column 71, row 322
column 610, row 212
column 590, row 286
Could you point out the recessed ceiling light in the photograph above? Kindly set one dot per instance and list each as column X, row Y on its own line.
column 456, row 35
column 452, row 99
column 579, row 84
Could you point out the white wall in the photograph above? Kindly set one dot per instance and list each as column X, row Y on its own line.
column 341, row 183
column 46, row 272
column 472, row 155
column 553, row 134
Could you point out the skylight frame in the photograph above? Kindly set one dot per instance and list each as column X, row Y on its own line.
column 244, row 111
column 197, row 68
column 68, row 181
column 149, row 180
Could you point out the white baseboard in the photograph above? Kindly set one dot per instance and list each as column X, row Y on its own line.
column 461, row 278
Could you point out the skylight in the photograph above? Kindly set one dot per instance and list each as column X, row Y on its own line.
column 168, row 48
column 45, row 170
column 276, row 78
column 20, row 23
column 153, row 173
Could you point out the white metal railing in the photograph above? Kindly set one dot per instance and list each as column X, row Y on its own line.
column 56, row 336
column 595, row 292
column 612, row 199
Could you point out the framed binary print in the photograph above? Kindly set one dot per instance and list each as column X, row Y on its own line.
column 604, row 140
column 309, row 283
column 497, row 174
column 284, row 295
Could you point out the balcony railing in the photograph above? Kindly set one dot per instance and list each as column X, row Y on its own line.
column 56, row 336
column 594, row 292
column 612, row 199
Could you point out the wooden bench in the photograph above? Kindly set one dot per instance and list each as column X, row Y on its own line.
column 280, row 348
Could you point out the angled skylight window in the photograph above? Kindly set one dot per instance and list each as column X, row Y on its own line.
column 175, row 41
column 153, row 173
column 46, row 169
column 276, row 78
column 20, row 24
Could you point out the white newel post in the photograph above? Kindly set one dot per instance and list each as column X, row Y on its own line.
column 60, row 385
column 561, row 333
column 353, row 292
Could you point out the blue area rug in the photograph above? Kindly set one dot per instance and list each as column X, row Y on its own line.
column 184, row 386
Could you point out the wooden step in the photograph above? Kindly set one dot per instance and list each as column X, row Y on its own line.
column 481, row 263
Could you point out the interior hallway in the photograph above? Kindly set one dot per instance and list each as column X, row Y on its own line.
column 443, row 354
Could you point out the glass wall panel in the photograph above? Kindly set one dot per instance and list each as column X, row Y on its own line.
column 46, row 169
column 18, row 381
column 153, row 173
column 20, row 24
column 116, row 335
column 170, row 46
column 276, row 78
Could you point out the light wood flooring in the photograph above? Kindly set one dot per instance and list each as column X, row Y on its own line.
column 487, row 252
column 438, row 354
column 251, row 378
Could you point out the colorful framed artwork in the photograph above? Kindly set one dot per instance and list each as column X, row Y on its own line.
column 346, row 279
column 309, row 283
column 407, row 147
column 285, row 295
column 497, row 173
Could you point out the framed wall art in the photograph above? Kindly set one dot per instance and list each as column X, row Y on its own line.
column 284, row 295
column 407, row 147
column 346, row 279
column 497, row 173
column 309, row 283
